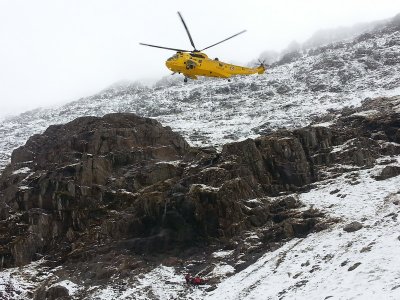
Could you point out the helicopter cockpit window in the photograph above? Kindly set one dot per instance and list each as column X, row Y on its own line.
column 197, row 55
column 174, row 57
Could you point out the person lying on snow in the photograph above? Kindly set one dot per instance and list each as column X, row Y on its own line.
column 194, row 280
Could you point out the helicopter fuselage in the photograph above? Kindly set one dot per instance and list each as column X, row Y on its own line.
column 193, row 64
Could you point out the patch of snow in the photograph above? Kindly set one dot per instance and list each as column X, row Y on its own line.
column 342, row 148
column 254, row 200
column 220, row 254
column 204, row 187
column 17, row 283
column 222, row 270
column 366, row 113
column 175, row 163
column 24, row 187
column 23, row 170
column 105, row 294
column 324, row 124
column 123, row 191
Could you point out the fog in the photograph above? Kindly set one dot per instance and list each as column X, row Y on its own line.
column 56, row 51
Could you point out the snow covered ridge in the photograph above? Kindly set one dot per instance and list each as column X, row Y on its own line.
column 213, row 112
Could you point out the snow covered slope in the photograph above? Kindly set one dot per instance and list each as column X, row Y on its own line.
column 334, row 264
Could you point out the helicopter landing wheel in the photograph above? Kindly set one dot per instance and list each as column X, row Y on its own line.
column 185, row 80
column 229, row 80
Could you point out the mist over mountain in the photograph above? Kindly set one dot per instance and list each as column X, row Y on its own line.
column 327, row 36
column 324, row 37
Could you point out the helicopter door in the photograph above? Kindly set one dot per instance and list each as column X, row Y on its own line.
column 190, row 64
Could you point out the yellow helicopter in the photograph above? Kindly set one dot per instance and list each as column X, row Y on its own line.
column 196, row 63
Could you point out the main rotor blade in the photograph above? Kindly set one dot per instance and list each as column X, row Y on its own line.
column 161, row 47
column 224, row 40
column 187, row 30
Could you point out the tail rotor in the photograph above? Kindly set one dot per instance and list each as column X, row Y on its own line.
column 261, row 63
column 261, row 66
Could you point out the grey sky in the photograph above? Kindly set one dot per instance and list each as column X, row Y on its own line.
column 59, row 50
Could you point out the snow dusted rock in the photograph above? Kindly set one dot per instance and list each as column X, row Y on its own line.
column 353, row 267
column 388, row 172
column 61, row 290
column 58, row 292
column 353, row 226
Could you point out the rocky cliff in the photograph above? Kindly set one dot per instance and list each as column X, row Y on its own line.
column 127, row 178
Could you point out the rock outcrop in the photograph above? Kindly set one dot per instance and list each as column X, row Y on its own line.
column 128, row 181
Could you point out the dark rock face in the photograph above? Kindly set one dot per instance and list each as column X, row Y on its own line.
column 278, row 162
column 127, row 180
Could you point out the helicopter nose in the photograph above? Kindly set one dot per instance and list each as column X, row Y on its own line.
column 169, row 64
